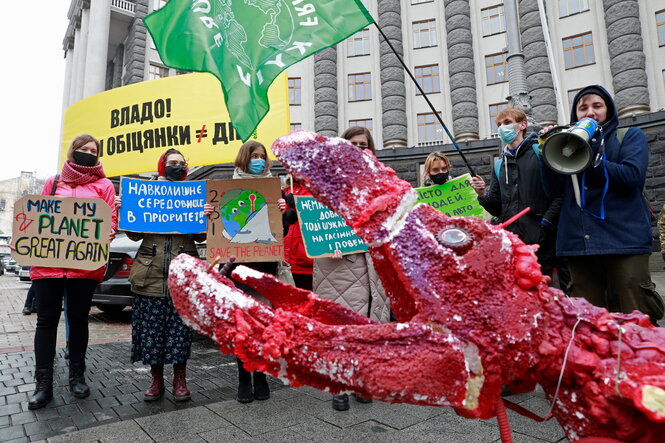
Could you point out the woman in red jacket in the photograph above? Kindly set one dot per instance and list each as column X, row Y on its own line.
column 294, row 248
column 82, row 176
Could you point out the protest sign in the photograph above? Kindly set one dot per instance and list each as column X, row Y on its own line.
column 135, row 124
column 61, row 232
column 246, row 222
column 323, row 231
column 454, row 198
column 162, row 207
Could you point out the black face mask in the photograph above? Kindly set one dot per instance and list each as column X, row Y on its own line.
column 176, row 172
column 439, row 178
column 84, row 159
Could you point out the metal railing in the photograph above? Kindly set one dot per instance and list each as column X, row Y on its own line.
column 123, row 5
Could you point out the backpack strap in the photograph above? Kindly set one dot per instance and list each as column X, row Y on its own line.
column 499, row 161
column 56, row 179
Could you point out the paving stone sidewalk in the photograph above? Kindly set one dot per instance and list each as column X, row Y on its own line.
column 116, row 387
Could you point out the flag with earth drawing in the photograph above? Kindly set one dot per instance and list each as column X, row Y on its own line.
column 246, row 44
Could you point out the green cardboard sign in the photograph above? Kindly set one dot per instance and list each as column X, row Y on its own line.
column 323, row 231
column 455, row 198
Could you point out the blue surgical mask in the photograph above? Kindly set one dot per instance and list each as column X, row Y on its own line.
column 257, row 166
column 507, row 133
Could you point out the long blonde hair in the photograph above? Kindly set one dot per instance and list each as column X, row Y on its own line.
column 431, row 158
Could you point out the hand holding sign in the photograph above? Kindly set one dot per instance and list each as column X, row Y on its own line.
column 63, row 232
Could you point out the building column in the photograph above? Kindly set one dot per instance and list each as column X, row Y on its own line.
column 136, row 46
column 325, row 92
column 97, row 46
column 462, row 71
column 536, row 64
column 69, row 68
column 627, row 59
column 76, row 91
column 393, row 91
column 117, row 66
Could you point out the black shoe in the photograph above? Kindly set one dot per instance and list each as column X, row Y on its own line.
column 77, row 380
column 363, row 399
column 244, row 384
column 505, row 392
column 27, row 310
column 340, row 402
column 43, row 389
column 261, row 388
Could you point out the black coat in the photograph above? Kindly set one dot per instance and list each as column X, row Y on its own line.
column 519, row 186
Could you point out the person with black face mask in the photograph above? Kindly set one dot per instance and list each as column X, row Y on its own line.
column 159, row 336
column 82, row 176
column 437, row 169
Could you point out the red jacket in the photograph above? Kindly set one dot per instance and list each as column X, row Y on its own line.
column 102, row 188
column 294, row 248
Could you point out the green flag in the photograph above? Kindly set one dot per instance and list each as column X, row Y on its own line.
column 246, row 44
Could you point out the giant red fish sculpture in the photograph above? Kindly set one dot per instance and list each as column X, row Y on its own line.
column 474, row 313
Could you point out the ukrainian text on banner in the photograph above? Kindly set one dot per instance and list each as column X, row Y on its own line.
column 454, row 198
column 62, row 232
column 162, row 207
column 246, row 222
column 323, row 231
column 135, row 124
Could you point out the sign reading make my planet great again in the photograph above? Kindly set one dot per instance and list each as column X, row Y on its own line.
column 323, row 231
column 455, row 198
column 62, row 232
column 162, row 207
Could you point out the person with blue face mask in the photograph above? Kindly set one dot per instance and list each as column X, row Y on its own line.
column 516, row 184
column 252, row 162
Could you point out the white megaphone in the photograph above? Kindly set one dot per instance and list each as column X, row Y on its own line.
column 567, row 151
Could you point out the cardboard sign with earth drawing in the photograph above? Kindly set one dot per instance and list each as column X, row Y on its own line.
column 246, row 222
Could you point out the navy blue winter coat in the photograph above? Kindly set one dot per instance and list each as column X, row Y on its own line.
column 626, row 228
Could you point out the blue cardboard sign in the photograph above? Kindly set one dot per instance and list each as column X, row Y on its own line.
column 162, row 207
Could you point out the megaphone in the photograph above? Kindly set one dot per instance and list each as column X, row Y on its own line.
column 567, row 151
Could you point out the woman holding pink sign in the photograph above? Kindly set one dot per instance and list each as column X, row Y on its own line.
column 82, row 176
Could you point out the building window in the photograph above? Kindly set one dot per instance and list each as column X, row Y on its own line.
column 570, row 7
column 296, row 126
column 360, row 87
column 660, row 25
column 295, row 98
column 158, row 4
column 429, row 128
column 417, row 2
column 494, row 22
column 495, row 67
column 494, row 111
column 571, row 96
column 157, row 71
column 428, row 78
column 424, row 34
column 363, row 123
column 3, row 203
column 358, row 43
column 578, row 50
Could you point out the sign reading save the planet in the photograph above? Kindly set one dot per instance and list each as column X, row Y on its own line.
column 162, row 207
column 455, row 198
column 246, row 222
column 62, row 232
column 323, row 231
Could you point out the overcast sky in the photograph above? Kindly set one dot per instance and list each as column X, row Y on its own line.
column 31, row 82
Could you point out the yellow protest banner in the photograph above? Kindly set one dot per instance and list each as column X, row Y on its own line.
column 135, row 124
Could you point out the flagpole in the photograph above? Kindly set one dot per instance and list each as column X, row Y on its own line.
column 427, row 100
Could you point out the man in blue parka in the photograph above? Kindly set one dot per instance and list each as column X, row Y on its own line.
column 607, row 234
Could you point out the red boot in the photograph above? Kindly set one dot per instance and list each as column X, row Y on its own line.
column 180, row 391
column 156, row 389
